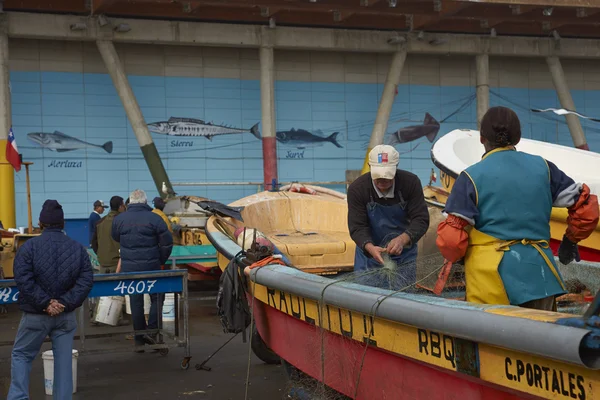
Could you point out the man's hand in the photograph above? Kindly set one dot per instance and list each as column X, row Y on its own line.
column 54, row 308
column 396, row 245
column 119, row 267
column 375, row 252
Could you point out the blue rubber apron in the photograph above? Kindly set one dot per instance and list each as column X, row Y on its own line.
column 387, row 222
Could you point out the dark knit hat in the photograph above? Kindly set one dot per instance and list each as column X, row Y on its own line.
column 52, row 213
column 159, row 203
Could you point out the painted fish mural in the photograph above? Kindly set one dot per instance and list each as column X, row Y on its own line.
column 176, row 126
column 58, row 141
column 302, row 139
column 429, row 129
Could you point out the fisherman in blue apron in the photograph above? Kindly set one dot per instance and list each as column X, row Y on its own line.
column 387, row 216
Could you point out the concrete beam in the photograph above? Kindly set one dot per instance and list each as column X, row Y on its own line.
column 8, row 215
column 385, row 104
column 57, row 27
column 134, row 114
column 267, row 102
column 566, row 101
column 482, row 63
column 540, row 3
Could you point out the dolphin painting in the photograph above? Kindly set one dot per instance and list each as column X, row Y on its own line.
column 302, row 139
column 429, row 129
column 58, row 141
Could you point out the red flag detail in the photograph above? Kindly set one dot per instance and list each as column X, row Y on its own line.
column 12, row 153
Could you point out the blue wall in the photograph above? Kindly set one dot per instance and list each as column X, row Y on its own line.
column 86, row 107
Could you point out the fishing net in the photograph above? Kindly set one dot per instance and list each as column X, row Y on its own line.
column 431, row 276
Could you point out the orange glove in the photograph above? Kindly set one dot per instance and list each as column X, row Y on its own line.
column 452, row 238
column 583, row 216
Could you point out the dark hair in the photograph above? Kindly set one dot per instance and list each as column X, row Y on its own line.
column 501, row 127
column 116, row 202
column 159, row 203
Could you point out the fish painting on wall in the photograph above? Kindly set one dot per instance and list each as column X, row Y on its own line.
column 301, row 139
column 428, row 129
column 59, row 142
column 191, row 127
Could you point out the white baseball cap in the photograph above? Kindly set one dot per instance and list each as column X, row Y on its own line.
column 383, row 160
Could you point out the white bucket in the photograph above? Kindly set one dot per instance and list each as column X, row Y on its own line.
column 109, row 310
column 48, row 357
column 147, row 304
column 168, row 311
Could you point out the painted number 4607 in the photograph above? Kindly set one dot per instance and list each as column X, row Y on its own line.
column 135, row 287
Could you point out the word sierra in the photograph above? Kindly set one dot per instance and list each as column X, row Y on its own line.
column 555, row 381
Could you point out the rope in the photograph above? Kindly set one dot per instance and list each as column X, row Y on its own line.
column 374, row 315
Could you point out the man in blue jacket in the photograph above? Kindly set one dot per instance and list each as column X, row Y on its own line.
column 54, row 276
column 146, row 245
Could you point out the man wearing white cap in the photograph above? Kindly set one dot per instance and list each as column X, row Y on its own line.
column 387, row 213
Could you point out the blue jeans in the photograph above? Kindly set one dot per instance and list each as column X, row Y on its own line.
column 33, row 329
column 137, row 314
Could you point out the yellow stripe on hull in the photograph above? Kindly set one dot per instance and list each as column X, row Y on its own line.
column 530, row 374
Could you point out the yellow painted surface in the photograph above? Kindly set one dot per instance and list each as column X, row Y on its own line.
column 8, row 214
column 311, row 230
column 538, row 376
column 536, row 315
column 527, row 373
column 427, row 346
column 366, row 167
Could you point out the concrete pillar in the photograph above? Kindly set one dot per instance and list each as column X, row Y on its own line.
column 483, row 86
column 134, row 114
column 7, row 174
column 385, row 104
column 566, row 101
column 267, row 105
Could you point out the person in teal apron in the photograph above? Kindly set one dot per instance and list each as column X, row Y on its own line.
column 499, row 220
column 387, row 215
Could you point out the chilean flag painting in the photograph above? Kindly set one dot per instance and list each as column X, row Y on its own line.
column 12, row 153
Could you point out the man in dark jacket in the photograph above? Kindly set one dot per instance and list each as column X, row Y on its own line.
column 146, row 245
column 54, row 276
column 103, row 244
column 95, row 216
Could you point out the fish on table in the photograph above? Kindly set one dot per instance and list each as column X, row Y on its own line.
column 176, row 126
column 302, row 139
column 58, row 141
column 428, row 129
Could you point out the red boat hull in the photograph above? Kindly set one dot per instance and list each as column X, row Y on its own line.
column 383, row 375
column 586, row 253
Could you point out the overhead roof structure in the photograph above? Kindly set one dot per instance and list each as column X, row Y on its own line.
column 542, row 18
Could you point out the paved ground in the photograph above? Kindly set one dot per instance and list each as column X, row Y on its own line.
column 134, row 376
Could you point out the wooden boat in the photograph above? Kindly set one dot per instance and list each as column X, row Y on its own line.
column 371, row 343
column 461, row 148
column 311, row 230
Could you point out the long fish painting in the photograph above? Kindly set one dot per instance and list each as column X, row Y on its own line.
column 59, row 142
column 191, row 127
column 301, row 139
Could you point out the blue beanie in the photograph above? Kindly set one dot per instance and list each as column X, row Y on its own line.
column 52, row 213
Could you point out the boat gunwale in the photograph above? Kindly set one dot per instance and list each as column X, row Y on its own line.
column 460, row 319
